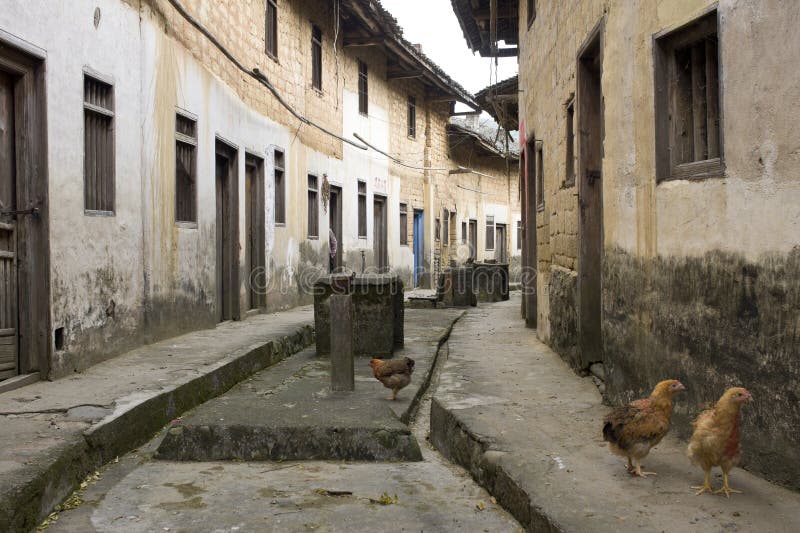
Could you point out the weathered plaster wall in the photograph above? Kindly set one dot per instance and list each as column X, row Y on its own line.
column 699, row 277
column 96, row 281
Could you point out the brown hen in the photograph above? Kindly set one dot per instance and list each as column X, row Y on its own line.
column 715, row 441
column 632, row 430
column 393, row 373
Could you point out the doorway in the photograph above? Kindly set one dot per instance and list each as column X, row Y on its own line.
column 500, row 251
column 335, row 223
column 379, row 234
column 590, row 198
column 25, row 338
column 256, row 228
column 227, row 232
column 419, row 246
column 473, row 239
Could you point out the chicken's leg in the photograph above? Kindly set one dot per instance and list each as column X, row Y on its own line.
column 394, row 394
column 706, row 487
column 638, row 471
column 630, row 465
column 726, row 489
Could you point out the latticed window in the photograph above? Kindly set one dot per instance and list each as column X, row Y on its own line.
column 490, row 233
column 98, row 156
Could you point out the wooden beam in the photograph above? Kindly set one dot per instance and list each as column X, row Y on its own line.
column 350, row 42
column 436, row 98
column 403, row 74
column 501, row 52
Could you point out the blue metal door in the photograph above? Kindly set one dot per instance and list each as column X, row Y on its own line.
column 419, row 246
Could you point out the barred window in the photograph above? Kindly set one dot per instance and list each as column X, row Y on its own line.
column 313, row 207
column 519, row 235
column 363, row 88
column 362, row 208
column 403, row 224
column 316, row 58
column 271, row 35
column 98, row 156
column 185, row 169
column 412, row 116
column 280, row 187
column 446, row 231
column 490, row 233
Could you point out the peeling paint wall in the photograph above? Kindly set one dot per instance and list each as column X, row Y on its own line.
column 699, row 278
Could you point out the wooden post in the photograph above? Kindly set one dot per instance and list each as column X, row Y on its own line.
column 342, row 336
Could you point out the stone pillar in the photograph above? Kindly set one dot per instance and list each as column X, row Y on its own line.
column 342, row 328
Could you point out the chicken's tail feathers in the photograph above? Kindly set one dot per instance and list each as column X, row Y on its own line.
column 608, row 432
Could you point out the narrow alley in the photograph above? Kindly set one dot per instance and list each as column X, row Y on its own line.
column 378, row 265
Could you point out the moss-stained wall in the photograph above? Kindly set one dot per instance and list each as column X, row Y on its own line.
column 712, row 321
column 699, row 277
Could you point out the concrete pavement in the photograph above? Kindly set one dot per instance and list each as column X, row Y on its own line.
column 529, row 430
column 54, row 433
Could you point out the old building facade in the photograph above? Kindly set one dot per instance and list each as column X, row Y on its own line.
column 661, row 197
column 160, row 188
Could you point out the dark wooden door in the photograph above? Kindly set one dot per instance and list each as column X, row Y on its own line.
column 9, row 297
column 254, row 214
column 473, row 239
column 379, row 237
column 500, row 252
column 227, row 235
column 590, row 201
column 335, row 222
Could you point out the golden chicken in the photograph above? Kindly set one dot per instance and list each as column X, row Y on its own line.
column 715, row 441
column 633, row 430
column 393, row 373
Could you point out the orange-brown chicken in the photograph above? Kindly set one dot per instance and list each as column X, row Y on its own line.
column 715, row 441
column 393, row 373
column 632, row 430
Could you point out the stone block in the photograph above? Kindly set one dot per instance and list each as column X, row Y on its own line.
column 490, row 281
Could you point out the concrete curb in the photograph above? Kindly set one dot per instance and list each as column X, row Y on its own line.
column 411, row 412
column 487, row 467
column 134, row 421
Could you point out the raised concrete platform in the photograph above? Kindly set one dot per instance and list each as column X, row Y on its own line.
column 290, row 413
column 55, row 433
column 528, row 429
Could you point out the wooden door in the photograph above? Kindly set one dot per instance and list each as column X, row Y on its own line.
column 379, row 231
column 590, row 200
column 9, row 297
column 254, row 214
column 419, row 246
column 227, row 222
column 473, row 239
column 335, row 223
column 500, row 243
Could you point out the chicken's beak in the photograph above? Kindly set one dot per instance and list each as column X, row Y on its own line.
column 680, row 386
column 749, row 397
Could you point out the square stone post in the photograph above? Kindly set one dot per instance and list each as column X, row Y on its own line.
column 342, row 328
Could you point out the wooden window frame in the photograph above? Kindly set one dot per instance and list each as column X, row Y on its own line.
column 313, row 207
column 186, row 140
column 539, row 176
column 569, row 139
column 669, row 110
column 464, row 235
column 279, row 183
column 412, row 117
column 363, row 88
column 316, row 58
column 103, row 112
column 520, row 234
column 438, row 229
column 490, row 244
column 362, row 209
column 271, row 29
column 446, row 227
column 403, row 224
